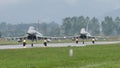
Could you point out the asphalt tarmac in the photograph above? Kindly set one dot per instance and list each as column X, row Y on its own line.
column 55, row 45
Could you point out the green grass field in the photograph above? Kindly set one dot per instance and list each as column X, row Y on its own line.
column 93, row 56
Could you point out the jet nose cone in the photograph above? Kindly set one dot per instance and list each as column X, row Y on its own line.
column 31, row 28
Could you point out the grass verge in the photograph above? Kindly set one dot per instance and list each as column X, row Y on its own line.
column 93, row 56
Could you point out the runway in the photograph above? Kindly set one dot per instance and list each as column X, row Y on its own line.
column 55, row 45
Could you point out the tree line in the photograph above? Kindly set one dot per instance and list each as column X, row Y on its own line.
column 70, row 26
column 106, row 27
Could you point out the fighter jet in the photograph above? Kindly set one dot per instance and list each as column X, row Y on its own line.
column 85, row 35
column 33, row 34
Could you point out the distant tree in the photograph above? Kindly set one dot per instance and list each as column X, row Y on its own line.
column 54, row 29
column 72, row 26
column 0, row 34
column 87, row 23
column 67, row 25
column 108, row 26
column 80, row 23
column 117, row 25
column 94, row 26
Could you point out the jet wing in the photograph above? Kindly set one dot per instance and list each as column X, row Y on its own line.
column 49, row 37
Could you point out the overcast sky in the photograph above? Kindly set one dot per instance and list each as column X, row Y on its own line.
column 29, row 11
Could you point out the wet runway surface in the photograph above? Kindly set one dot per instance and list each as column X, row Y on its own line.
column 55, row 45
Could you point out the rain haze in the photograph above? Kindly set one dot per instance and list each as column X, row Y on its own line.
column 29, row 11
